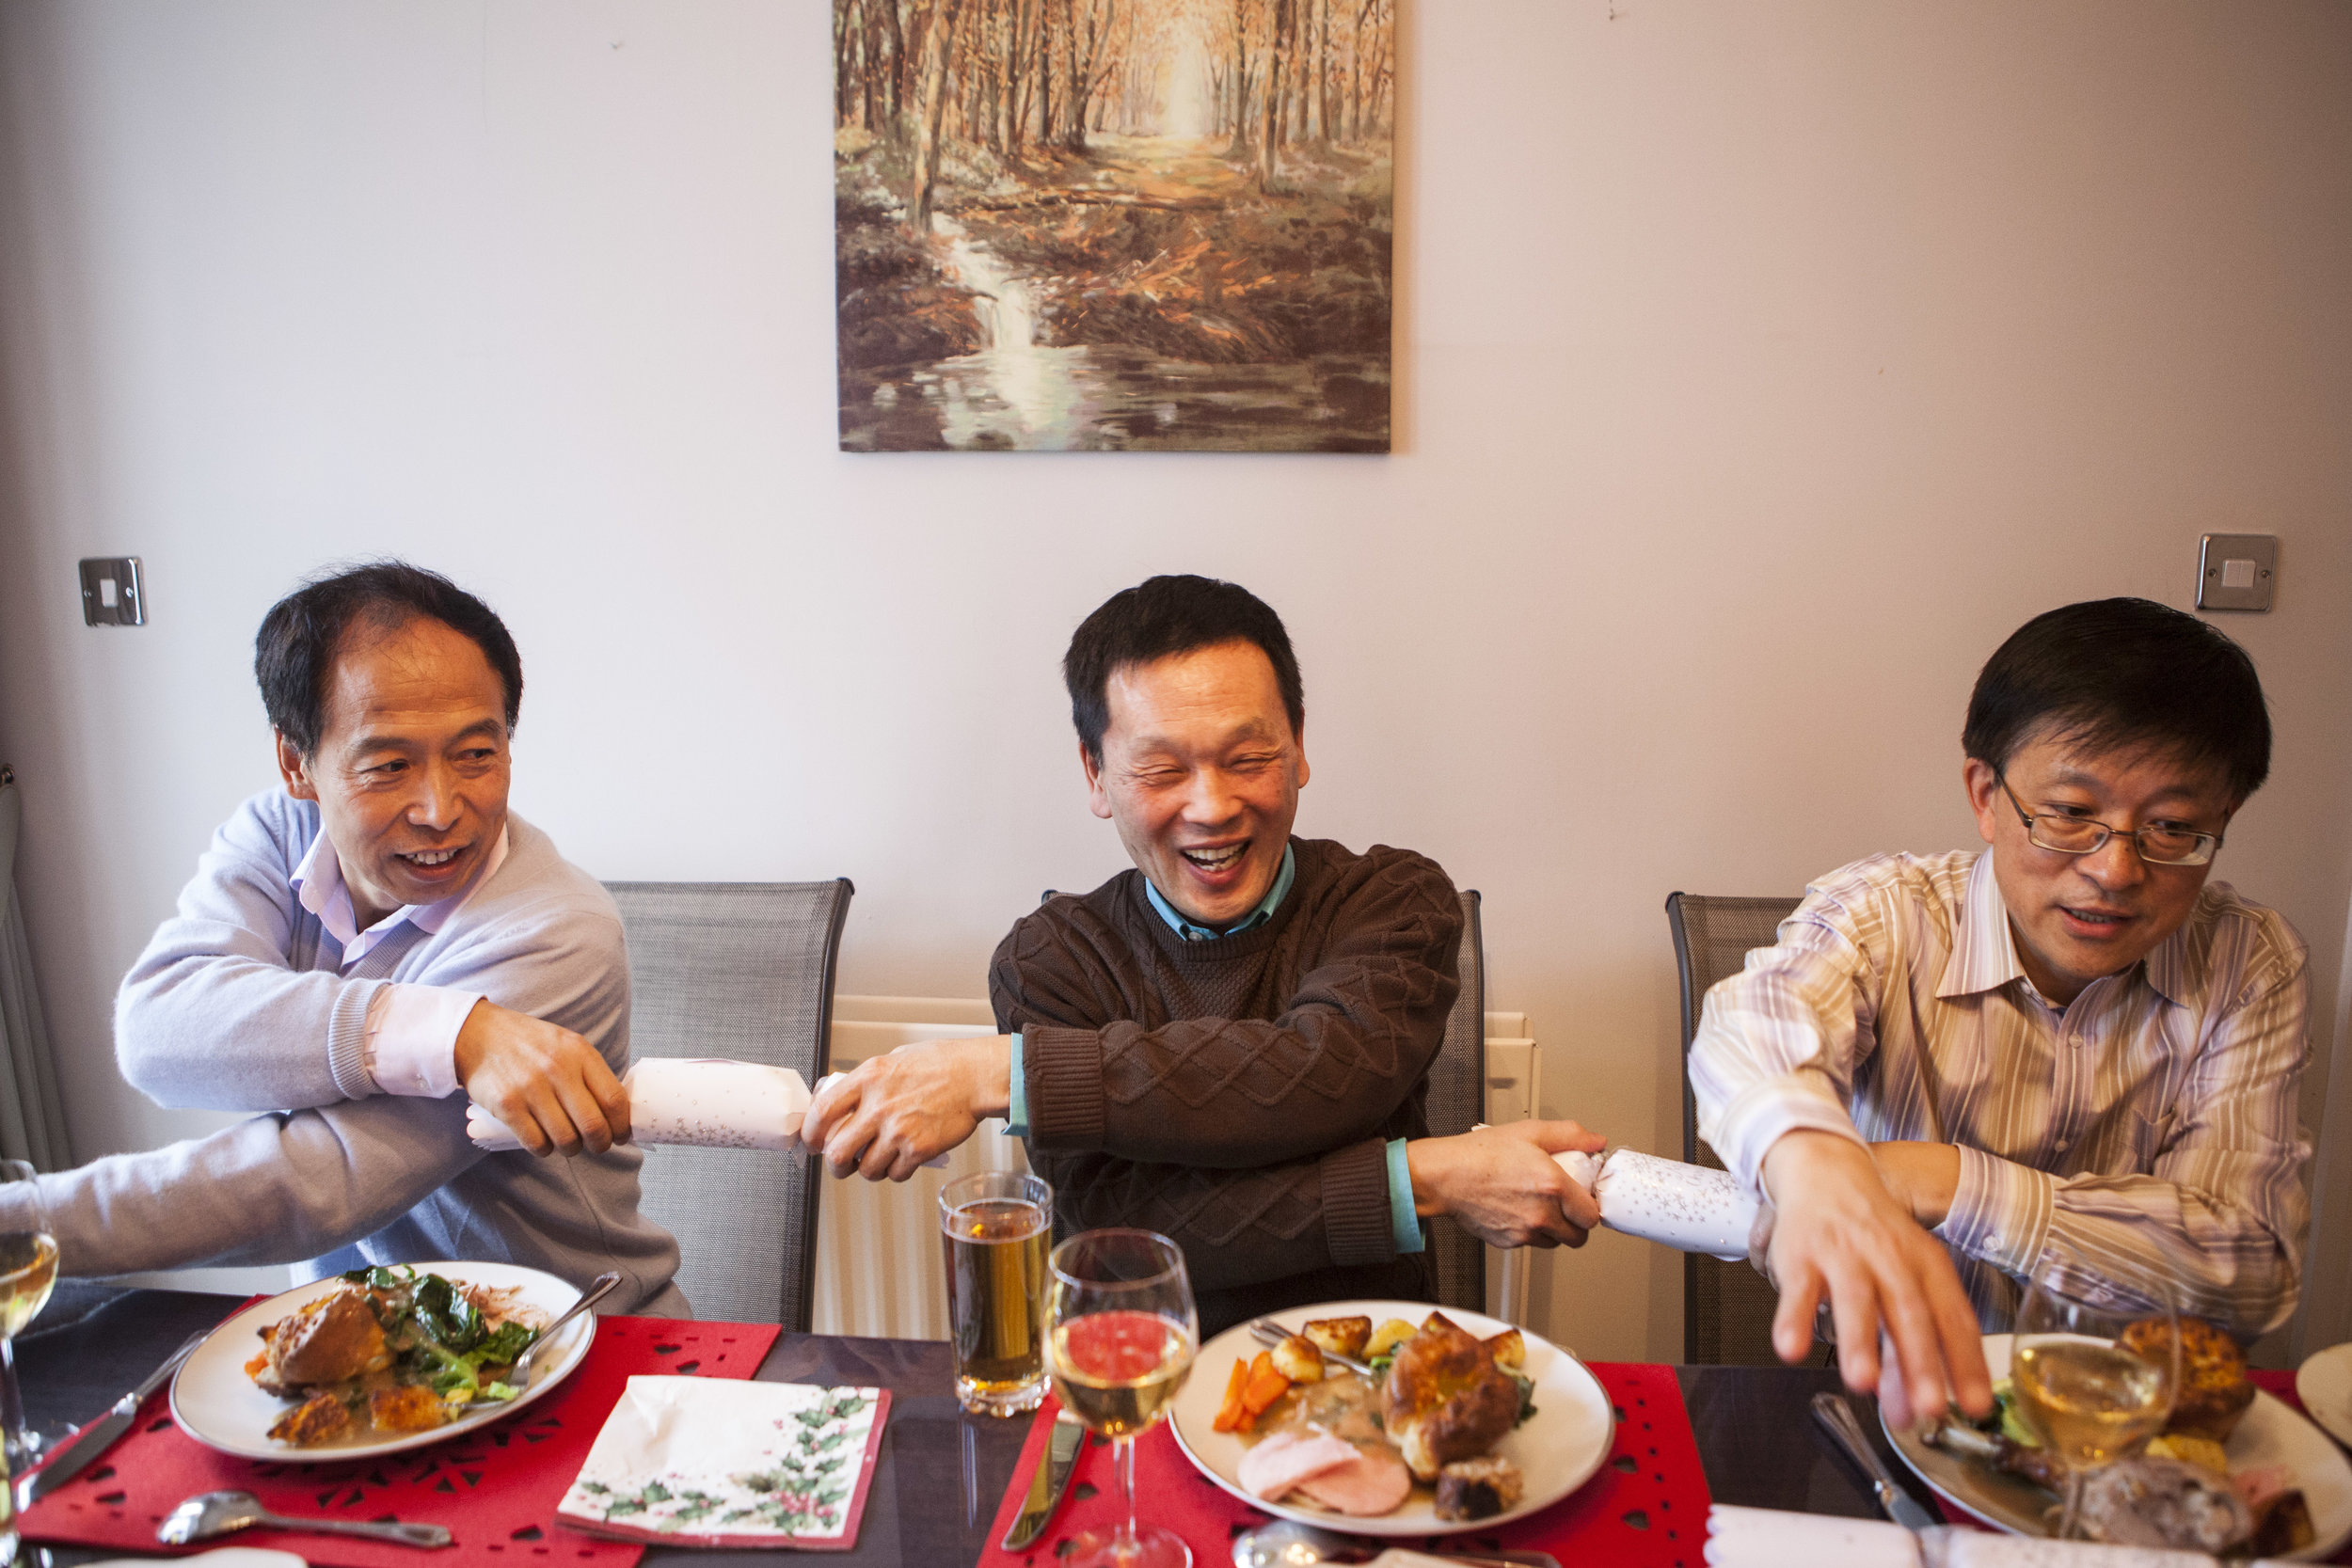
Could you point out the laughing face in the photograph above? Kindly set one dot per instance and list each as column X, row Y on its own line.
column 2078, row 918
column 1200, row 771
column 412, row 769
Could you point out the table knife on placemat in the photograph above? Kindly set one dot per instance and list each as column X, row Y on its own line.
column 1050, row 1480
column 1837, row 1419
column 97, row 1438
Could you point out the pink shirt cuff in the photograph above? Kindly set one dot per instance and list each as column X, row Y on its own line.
column 2000, row 1212
column 410, row 1045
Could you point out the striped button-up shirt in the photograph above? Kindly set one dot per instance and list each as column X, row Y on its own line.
column 2148, row 1128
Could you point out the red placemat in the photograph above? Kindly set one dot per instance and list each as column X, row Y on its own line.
column 496, row 1487
column 1645, row 1507
column 2280, row 1384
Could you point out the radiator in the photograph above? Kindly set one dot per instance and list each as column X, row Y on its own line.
column 878, row 1269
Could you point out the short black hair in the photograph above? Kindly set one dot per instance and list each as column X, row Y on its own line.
column 2123, row 674
column 293, row 654
column 1161, row 618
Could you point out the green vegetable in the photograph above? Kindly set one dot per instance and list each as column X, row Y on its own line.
column 1527, row 1394
column 446, row 1316
column 2008, row 1421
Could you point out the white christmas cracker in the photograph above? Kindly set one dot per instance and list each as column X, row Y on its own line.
column 697, row 1101
column 704, row 1101
column 1689, row 1208
column 1769, row 1538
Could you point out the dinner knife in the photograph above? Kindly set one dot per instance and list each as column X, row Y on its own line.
column 1050, row 1480
column 97, row 1438
column 1837, row 1419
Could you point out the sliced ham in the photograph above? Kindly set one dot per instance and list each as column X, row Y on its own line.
column 1275, row 1465
column 1373, row 1481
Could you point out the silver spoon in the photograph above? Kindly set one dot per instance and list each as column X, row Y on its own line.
column 1286, row 1543
column 211, row 1513
column 519, row 1376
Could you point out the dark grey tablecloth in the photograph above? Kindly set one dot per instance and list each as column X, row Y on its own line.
column 942, row 1473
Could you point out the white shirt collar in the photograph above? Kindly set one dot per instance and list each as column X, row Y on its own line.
column 319, row 887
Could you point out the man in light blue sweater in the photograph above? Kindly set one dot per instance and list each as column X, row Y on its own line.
column 353, row 950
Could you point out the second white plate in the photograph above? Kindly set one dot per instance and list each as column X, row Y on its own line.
column 218, row 1402
column 1557, row 1449
column 2270, row 1433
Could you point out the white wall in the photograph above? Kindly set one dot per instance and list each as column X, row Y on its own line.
column 1762, row 366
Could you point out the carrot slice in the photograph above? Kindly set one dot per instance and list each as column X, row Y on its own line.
column 1266, row 1385
column 1229, row 1415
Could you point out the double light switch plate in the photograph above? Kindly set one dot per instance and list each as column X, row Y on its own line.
column 2236, row 571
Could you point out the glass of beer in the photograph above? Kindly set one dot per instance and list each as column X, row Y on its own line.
column 996, row 1228
column 1124, row 1330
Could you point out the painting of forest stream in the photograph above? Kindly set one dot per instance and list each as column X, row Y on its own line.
column 1114, row 225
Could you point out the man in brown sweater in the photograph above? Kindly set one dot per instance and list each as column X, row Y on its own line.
column 1229, row 1043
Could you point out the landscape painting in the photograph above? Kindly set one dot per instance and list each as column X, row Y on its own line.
column 1114, row 225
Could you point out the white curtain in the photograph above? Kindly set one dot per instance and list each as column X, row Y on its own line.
column 32, row 1124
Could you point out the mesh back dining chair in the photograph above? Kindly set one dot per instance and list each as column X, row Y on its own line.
column 1727, row 1307
column 1457, row 1103
column 744, row 971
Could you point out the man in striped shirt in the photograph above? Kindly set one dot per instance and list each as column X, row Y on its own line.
column 2068, row 1057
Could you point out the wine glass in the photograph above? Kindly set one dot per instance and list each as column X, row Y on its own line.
column 28, row 1270
column 1123, row 1332
column 2088, row 1389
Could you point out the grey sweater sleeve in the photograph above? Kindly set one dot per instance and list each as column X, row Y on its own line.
column 294, row 1185
column 219, row 971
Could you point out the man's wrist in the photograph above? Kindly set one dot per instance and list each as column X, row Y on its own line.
column 992, row 1092
column 1421, row 1164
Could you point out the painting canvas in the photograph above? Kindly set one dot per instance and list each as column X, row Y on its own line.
column 1114, row 225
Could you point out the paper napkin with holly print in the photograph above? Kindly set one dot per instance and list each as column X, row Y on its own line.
column 709, row 1462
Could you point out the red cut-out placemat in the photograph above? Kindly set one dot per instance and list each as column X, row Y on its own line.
column 1645, row 1507
column 496, row 1487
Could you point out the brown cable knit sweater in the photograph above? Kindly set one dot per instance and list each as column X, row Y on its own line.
column 1238, row 1094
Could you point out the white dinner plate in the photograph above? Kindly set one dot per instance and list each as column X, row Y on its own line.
column 2325, row 1386
column 1557, row 1449
column 2270, row 1432
column 218, row 1402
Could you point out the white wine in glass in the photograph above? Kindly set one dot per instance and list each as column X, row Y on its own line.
column 2088, row 1395
column 1123, row 1332
column 28, row 1272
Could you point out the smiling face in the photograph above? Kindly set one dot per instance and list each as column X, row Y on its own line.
column 2078, row 918
column 1200, row 771
column 411, row 770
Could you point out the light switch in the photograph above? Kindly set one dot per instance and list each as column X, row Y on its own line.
column 2236, row 571
column 111, row 592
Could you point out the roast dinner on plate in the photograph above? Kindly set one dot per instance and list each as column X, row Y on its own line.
column 1430, row 1403
column 2180, row 1491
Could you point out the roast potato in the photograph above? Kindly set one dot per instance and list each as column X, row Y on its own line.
column 1478, row 1488
column 1297, row 1359
column 1340, row 1336
column 1445, row 1399
column 1509, row 1349
column 1387, row 1337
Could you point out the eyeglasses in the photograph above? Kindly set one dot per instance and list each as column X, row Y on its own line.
column 2158, row 843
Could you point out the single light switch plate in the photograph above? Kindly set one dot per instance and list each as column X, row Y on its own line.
column 111, row 595
column 2236, row 571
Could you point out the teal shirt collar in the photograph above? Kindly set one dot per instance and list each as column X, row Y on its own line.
column 1191, row 931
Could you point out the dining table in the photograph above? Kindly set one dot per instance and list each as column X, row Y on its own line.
column 942, row 1472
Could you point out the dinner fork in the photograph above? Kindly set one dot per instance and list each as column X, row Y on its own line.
column 519, row 1376
column 1271, row 1333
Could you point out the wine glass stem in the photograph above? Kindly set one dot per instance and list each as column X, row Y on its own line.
column 1123, row 1456
column 2069, row 1520
column 11, row 1411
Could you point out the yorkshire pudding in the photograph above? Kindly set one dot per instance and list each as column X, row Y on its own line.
column 2213, row 1388
column 1445, row 1399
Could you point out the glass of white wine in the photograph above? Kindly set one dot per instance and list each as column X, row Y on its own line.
column 2086, row 1393
column 1123, row 1332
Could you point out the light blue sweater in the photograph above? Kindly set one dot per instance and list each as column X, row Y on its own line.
column 240, row 1004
